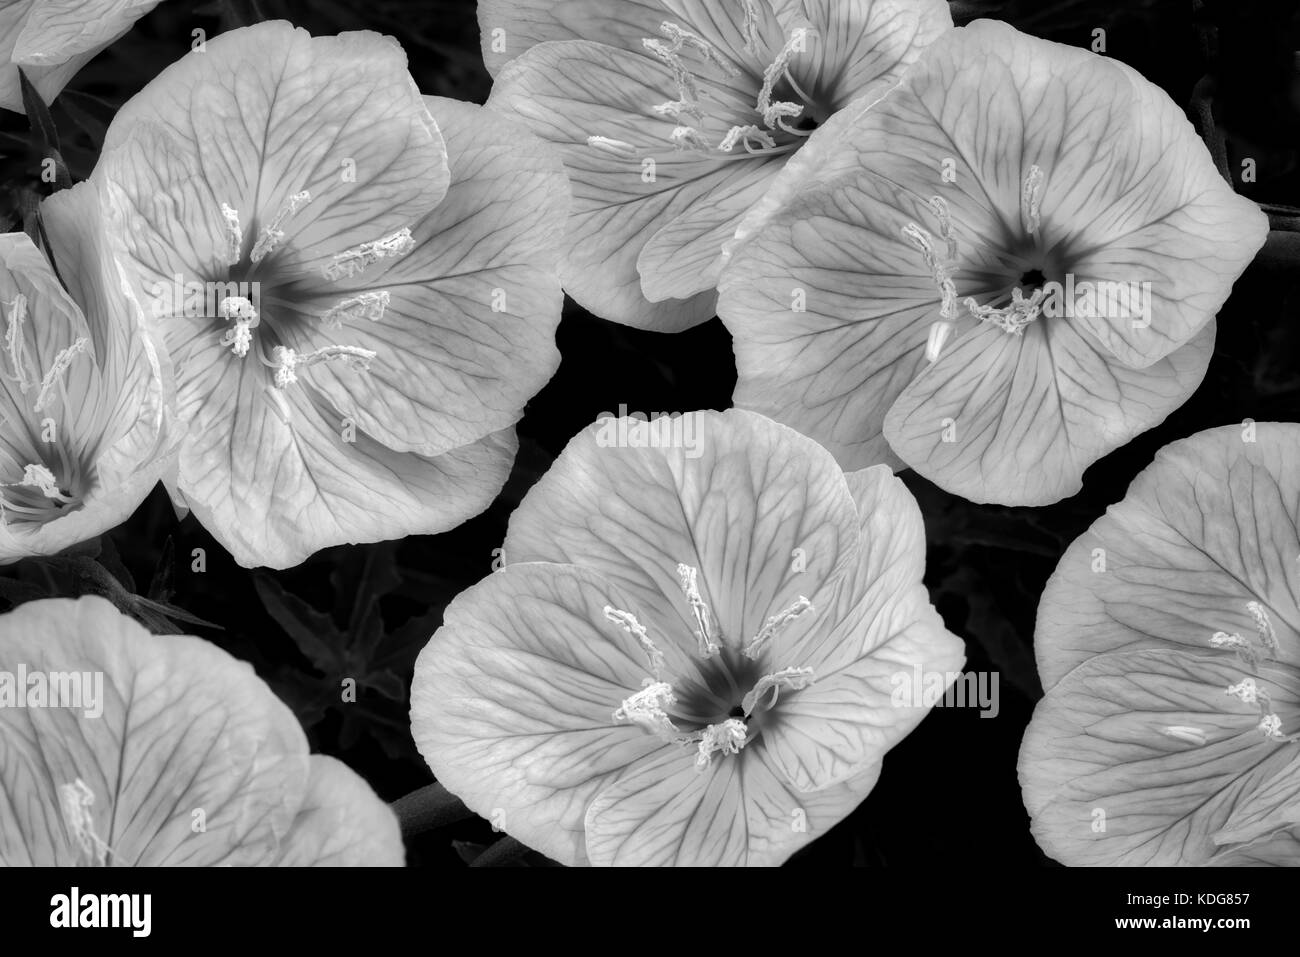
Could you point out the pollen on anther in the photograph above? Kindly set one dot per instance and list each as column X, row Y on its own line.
column 725, row 738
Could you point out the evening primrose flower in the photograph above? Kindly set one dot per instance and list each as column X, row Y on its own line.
column 52, row 39
column 1000, row 272
column 356, row 298
column 674, row 116
column 690, row 653
column 83, row 438
column 1168, row 640
column 119, row 748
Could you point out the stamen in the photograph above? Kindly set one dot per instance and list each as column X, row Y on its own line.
column 921, row 241
column 272, row 235
column 240, row 336
column 368, row 305
column 774, row 114
column 776, row 624
column 749, row 135
column 939, row 333
column 55, row 374
column 703, row 628
column 613, row 147
column 1267, row 637
column 1271, row 725
column 1246, row 690
column 795, row 679
column 1234, row 642
column 1186, row 733
column 627, row 621
column 14, row 341
column 351, row 261
column 286, row 361
column 945, row 225
column 750, row 28
column 1012, row 318
column 234, row 235
column 1031, row 196
column 647, row 710
column 682, row 37
column 75, row 801
column 43, row 479
column 689, row 138
column 728, row 737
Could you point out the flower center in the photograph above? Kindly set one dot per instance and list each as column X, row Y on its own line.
column 54, row 478
column 783, row 115
column 1251, row 652
column 245, row 327
column 706, row 708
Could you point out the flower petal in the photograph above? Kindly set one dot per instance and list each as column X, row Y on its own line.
column 1205, row 529
column 513, row 699
column 52, row 40
column 859, row 42
column 762, row 512
column 878, row 629
column 1113, row 768
column 568, row 91
column 468, row 335
column 266, row 112
column 185, row 735
column 341, row 823
column 277, row 474
column 1016, row 419
column 738, row 813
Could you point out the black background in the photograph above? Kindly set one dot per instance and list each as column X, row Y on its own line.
column 949, row 791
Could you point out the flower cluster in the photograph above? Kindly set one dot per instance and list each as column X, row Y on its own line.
column 1169, row 644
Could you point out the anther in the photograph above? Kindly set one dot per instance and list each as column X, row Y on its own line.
column 234, row 235
column 753, row 138
column 1267, row 637
column 368, row 305
column 794, row 679
column 1011, row 318
column 1031, row 196
column 1181, row 732
column 627, row 621
column 239, row 336
column 55, row 374
column 75, row 802
column 922, row 242
column 42, row 478
column 703, row 621
column 272, row 235
column 750, row 28
column 1246, row 690
column 647, row 709
column 1271, row 725
column 1234, row 642
column 14, row 318
column 286, row 361
column 351, row 261
column 613, row 147
column 728, row 738
column 776, row 624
